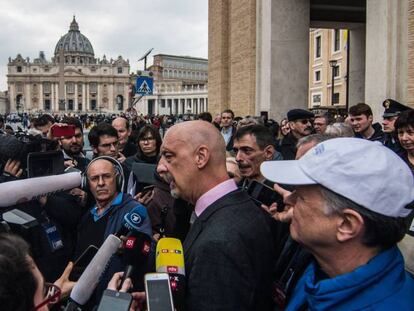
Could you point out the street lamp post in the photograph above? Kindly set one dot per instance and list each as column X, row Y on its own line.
column 333, row 63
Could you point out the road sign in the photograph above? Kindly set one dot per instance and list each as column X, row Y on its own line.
column 144, row 85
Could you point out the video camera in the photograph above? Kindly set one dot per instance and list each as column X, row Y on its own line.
column 19, row 146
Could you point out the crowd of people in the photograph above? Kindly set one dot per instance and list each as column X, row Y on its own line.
column 340, row 236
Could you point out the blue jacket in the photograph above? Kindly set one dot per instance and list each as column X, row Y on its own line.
column 381, row 284
column 121, row 205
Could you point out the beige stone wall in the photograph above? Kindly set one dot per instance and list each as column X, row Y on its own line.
column 410, row 81
column 218, row 55
column 232, row 56
column 243, row 57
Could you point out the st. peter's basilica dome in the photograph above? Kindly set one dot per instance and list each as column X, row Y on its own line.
column 74, row 43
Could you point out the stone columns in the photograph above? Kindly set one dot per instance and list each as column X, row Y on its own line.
column 386, row 53
column 356, row 60
column 282, row 56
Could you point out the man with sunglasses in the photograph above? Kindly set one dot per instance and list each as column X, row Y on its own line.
column 300, row 123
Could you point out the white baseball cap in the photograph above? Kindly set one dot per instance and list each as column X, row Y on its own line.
column 365, row 172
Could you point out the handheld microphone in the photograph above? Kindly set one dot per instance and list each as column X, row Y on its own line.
column 20, row 191
column 170, row 259
column 135, row 221
column 89, row 279
column 138, row 243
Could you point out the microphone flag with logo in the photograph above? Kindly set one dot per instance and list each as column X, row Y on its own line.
column 170, row 259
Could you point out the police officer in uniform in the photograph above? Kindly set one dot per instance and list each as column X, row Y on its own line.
column 391, row 112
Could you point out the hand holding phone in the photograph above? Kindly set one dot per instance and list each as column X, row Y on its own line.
column 115, row 301
column 265, row 195
column 158, row 292
column 82, row 262
column 145, row 196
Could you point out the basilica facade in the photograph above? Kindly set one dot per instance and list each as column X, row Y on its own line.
column 73, row 81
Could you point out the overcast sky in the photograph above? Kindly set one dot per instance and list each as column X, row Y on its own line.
column 114, row 27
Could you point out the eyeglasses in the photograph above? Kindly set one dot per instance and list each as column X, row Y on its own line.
column 108, row 145
column 147, row 139
column 105, row 177
column 304, row 121
column 51, row 294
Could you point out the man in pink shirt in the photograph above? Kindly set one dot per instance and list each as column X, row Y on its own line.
column 229, row 250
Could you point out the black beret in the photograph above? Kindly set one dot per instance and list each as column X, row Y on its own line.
column 393, row 108
column 296, row 114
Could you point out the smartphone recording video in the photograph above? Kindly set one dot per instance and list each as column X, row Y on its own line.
column 263, row 194
column 63, row 131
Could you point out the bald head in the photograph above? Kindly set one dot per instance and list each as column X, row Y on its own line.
column 122, row 127
column 120, row 121
column 101, row 174
column 193, row 159
column 196, row 133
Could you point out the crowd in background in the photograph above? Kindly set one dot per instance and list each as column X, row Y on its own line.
column 281, row 267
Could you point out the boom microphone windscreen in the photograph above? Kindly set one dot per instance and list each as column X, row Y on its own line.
column 170, row 259
column 89, row 279
column 20, row 191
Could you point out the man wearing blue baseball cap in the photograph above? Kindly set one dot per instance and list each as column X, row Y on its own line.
column 350, row 217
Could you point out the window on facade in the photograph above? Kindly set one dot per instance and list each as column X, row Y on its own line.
column 318, row 46
column 317, row 76
column 70, row 104
column 93, row 104
column 120, row 102
column 337, row 39
column 316, row 99
column 79, row 106
column 336, row 71
column 47, row 104
column 119, row 69
column 46, row 87
column 73, row 60
column 335, row 99
column 162, row 103
column 70, row 88
column 19, row 68
column 19, row 87
column 93, row 68
column 46, row 69
column 34, row 69
column 120, row 88
column 93, row 87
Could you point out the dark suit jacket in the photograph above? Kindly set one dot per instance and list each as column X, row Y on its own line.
column 287, row 147
column 229, row 256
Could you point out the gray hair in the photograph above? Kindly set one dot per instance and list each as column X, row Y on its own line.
column 380, row 230
column 250, row 121
column 339, row 129
column 314, row 138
